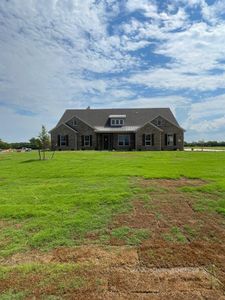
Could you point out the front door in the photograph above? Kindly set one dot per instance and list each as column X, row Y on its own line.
column 106, row 142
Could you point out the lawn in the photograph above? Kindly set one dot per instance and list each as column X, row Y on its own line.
column 88, row 198
column 52, row 203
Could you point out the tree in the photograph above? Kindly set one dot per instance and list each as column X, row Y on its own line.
column 4, row 145
column 34, row 143
column 42, row 142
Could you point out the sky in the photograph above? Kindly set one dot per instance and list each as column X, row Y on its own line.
column 60, row 54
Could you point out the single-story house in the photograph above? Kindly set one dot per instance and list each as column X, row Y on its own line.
column 118, row 129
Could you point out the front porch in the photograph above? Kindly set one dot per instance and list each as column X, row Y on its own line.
column 116, row 141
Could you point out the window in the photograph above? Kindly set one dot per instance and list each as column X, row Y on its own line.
column 87, row 140
column 148, row 140
column 63, row 140
column 124, row 140
column 170, row 140
column 158, row 122
column 74, row 122
column 117, row 122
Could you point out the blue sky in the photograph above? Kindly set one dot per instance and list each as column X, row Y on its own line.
column 60, row 54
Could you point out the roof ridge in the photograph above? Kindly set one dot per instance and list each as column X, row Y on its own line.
column 117, row 108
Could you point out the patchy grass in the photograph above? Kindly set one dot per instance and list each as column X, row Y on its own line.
column 130, row 236
column 12, row 295
column 211, row 205
column 46, row 279
column 175, row 235
column 47, row 204
column 192, row 232
column 108, row 200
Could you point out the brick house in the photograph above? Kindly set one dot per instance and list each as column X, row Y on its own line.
column 118, row 129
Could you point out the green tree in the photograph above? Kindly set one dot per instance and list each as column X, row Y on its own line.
column 4, row 145
column 42, row 142
column 34, row 143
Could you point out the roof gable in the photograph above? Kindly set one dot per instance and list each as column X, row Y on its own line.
column 151, row 124
column 65, row 125
column 171, row 122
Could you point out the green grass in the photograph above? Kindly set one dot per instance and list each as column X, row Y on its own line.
column 175, row 235
column 12, row 295
column 47, row 204
column 129, row 235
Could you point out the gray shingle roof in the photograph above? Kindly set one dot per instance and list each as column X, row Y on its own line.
column 134, row 116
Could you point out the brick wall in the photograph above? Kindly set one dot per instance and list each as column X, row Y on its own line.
column 148, row 129
column 169, row 128
column 63, row 130
column 83, row 129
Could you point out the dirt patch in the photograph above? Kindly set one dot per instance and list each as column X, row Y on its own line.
column 180, row 236
column 172, row 183
column 158, row 280
column 169, row 208
column 113, row 273
column 112, row 256
column 179, row 253
column 34, row 256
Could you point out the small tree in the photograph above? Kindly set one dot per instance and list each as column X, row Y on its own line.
column 42, row 142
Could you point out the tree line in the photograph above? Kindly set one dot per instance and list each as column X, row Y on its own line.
column 203, row 143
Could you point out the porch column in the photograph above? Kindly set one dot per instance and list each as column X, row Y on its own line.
column 135, row 141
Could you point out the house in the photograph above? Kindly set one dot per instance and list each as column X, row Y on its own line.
column 118, row 129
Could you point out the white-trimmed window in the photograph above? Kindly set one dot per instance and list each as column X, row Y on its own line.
column 87, row 140
column 124, row 140
column 170, row 140
column 117, row 122
column 148, row 140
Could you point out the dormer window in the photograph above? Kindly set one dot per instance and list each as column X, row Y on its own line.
column 117, row 120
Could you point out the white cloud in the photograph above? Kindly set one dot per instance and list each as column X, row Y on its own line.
column 149, row 8
column 176, row 79
column 209, row 125
column 46, row 47
column 195, row 53
column 174, row 102
column 57, row 54
column 207, row 115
